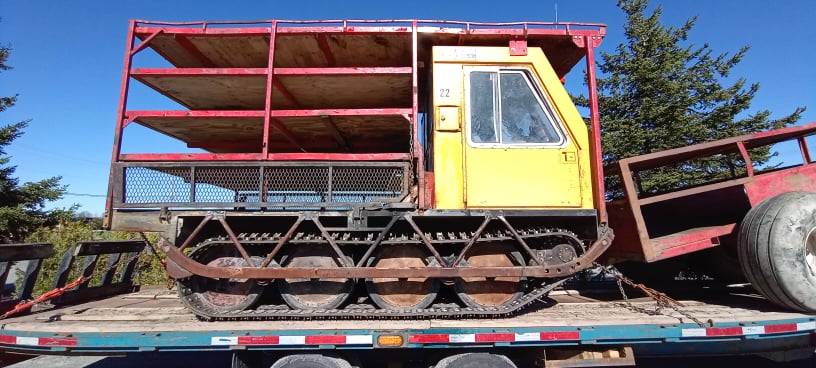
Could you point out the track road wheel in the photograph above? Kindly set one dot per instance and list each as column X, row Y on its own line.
column 490, row 291
column 310, row 361
column 314, row 293
column 777, row 249
column 394, row 293
column 475, row 360
column 221, row 295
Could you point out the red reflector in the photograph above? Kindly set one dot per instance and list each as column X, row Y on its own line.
column 258, row 340
column 787, row 327
column 496, row 337
column 6, row 339
column 561, row 335
column 325, row 339
column 429, row 338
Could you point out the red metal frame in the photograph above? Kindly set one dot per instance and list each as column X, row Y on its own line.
column 584, row 35
column 599, row 193
column 629, row 222
column 270, row 82
column 120, row 117
column 136, row 157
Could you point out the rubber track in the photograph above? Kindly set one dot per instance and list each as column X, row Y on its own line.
column 369, row 310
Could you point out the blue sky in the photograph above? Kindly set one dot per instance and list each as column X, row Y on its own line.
column 67, row 58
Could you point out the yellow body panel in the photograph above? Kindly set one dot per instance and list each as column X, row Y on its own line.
column 469, row 176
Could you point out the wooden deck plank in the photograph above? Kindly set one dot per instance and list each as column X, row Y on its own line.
column 350, row 91
column 234, row 52
column 156, row 310
column 364, row 134
column 247, row 92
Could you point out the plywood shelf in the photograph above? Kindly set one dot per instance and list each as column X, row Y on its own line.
column 225, row 134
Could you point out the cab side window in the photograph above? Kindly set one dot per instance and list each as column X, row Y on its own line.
column 506, row 109
column 483, row 127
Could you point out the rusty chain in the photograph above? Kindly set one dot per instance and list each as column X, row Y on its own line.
column 171, row 283
column 662, row 301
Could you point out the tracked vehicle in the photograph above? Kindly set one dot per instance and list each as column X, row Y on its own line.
column 395, row 157
column 401, row 169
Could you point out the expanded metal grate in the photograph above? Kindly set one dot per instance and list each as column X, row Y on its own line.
column 270, row 185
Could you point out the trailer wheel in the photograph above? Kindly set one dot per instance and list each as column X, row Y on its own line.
column 314, row 293
column 777, row 249
column 310, row 361
column 247, row 359
column 476, row 360
column 401, row 294
column 478, row 292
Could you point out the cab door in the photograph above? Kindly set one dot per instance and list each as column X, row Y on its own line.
column 516, row 151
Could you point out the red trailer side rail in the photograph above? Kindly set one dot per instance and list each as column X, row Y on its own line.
column 654, row 226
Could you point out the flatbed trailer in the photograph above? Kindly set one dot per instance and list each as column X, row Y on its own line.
column 415, row 193
column 577, row 326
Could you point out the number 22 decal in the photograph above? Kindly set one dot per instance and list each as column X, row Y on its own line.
column 444, row 92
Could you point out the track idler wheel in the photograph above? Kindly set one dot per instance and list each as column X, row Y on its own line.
column 221, row 295
column 314, row 293
column 491, row 291
column 396, row 293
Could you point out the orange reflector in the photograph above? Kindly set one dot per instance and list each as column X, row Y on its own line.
column 389, row 340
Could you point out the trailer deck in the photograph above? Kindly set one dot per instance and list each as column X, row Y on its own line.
column 154, row 320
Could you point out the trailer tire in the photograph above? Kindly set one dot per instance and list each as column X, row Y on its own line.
column 247, row 359
column 475, row 360
column 777, row 249
column 310, row 361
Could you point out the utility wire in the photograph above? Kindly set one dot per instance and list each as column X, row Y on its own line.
column 85, row 195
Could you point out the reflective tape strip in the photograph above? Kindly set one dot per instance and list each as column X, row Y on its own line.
column 34, row 341
column 492, row 337
column 753, row 330
column 360, row 340
column 462, row 338
column 233, row 340
column 495, row 337
column 258, row 340
column 38, row 341
column 693, row 332
column 748, row 330
column 806, row 326
column 528, row 336
column 294, row 340
column 560, row 335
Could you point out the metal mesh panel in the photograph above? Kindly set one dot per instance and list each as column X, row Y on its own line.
column 267, row 185
column 147, row 185
column 219, row 184
column 365, row 184
column 296, row 184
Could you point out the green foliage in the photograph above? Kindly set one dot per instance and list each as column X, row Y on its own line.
column 149, row 270
column 22, row 207
column 659, row 91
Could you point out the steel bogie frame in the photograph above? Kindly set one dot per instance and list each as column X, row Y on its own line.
column 567, row 43
column 655, row 226
column 447, row 236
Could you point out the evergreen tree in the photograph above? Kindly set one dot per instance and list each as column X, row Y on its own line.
column 659, row 91
column 22, row 207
